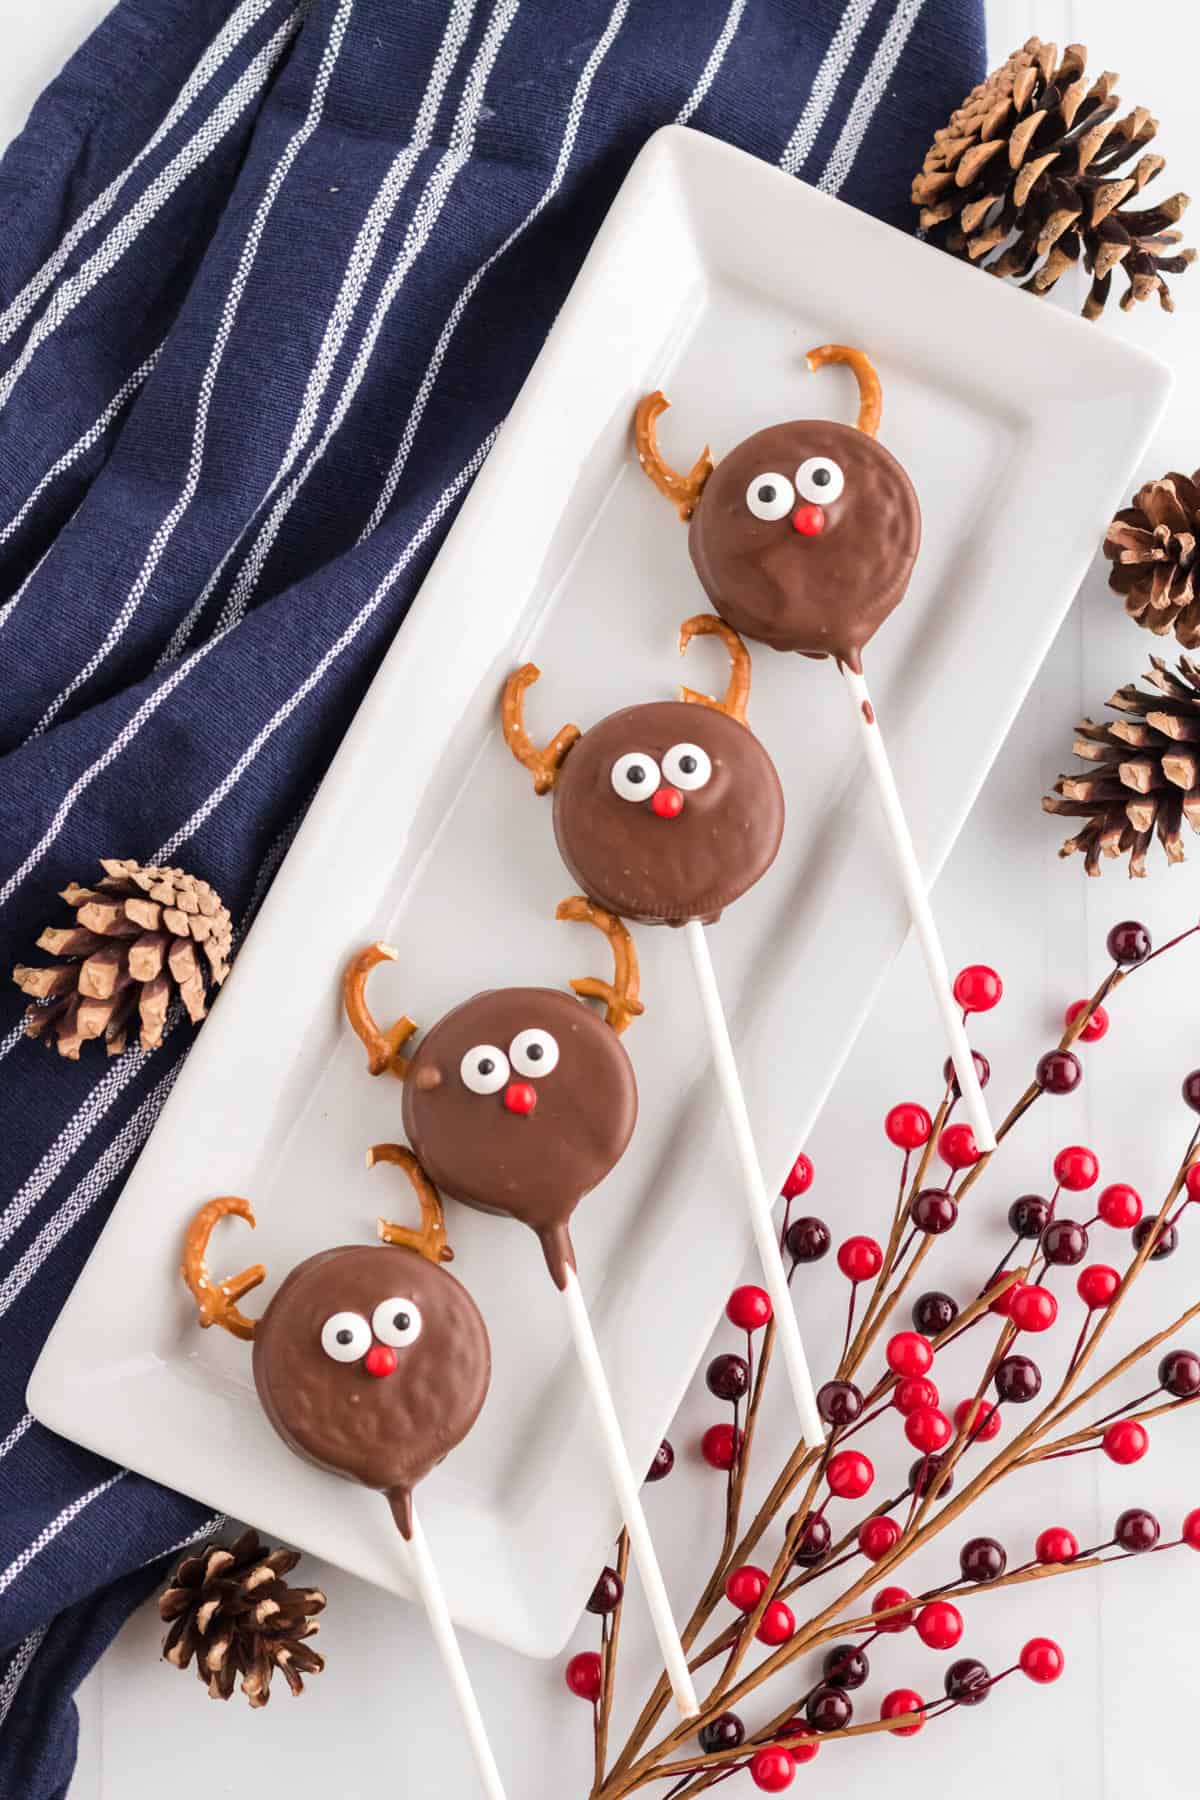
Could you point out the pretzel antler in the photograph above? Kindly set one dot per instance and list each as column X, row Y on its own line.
column 683, row 491
column 870, row 394
column 737, row 694
column 216, row 1301
column 544, row 764
column 430, row 1240
column 620, row 995
column 383, row 1047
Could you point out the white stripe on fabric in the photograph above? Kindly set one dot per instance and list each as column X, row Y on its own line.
column 425, row 216
column 574, row 118
column 15, row 1673
column 83, row 1196
column 208, row 380
column 858, row 120
column 432, row 520
column 226, row 41
column 733, row 19
column 80, row 447
column 828, row 77
column 354, row 279
column 130, row 227
column 15, row 1435
column 57, row 1525
column 214, row 1522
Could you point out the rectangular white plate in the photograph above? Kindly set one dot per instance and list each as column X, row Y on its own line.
column 711, row 276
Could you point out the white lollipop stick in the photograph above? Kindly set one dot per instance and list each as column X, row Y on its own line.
column 626, row 1484
column 919, row 909
column 787, row 1329
column 442, row 1626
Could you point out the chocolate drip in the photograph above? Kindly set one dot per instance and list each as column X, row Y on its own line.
column 400, row 1501
column 559, row 1252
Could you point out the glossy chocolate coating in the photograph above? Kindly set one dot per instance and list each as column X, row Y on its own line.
column 668, row 871
column 534, row 1166
column 386, row 1431
column 824, row 595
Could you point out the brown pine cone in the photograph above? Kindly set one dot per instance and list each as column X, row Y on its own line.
column 141, row 936
column 232, row 1610
column 1152, row 547
column 1036, row 154
column 1146, row 775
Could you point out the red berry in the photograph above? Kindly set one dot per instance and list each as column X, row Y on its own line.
column 745, row 1587
column 899, row 1702
column 1056, row 1545
column 1042, row 1660
column 720, row 1445
column 977, row 988
column 1192, row 1181
column 1076, row 1168
column 939, row 1625
column 879, row 1535
column 1120, row 1206
column 914, row 1391
column 978, row 1419
column 1097, row 1286
column 1034, row 1309
column 1191, row 1529
column 1125, row 1441
column 927, row 1429
column 749, row 1308
column 860, row 1259
column 772, row 1769
column 957, row 1147
column 908, row 1125
column 888, row 1597
column 1003, row 1303
column 777, row 1623
column 908, row 1353
column 801, row 1753
column 850, row 1474
column 1096, row 1026
column 583, row 1675
column 799, row 1178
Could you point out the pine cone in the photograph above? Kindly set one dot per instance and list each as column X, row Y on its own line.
column 1147, row 774
column 231, row 1609
column 135, row 944
column 1036, row 151
column 1152, row 546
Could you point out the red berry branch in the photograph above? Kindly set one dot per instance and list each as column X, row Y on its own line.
column 886, row 1380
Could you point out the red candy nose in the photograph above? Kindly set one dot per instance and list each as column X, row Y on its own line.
column 380, row 1360
column 519, row 1097
column 667, row 802
column 809, row 521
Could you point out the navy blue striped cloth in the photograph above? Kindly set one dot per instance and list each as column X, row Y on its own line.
column 271, row 272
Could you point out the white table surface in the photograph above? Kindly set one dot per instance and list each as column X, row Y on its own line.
column 1123, row 1719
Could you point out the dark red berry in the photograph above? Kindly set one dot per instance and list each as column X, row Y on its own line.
column 1129, row 943
column 982, row 1559
column 967, row 1681
column 725, row 1732
column 934, row 1313
column 1191, row 1090
column 839, row 1402
column 1027, row 1217
column 1064, row 1243
column 983, row 1070
column 846, row 1666
column 813, row 1545
column 926, row 1472
column 664, row 1462
column 1179, row 1373
column 1137, row 1530
column 808, row 1240
column 1059, row 1072
column 1166, row 1242
column 977, row 988
column 607, row 1593
column 934, row 1211
column 1018, row 1380
column 728, row 1377
column 828, row 1708
column 799, row 1178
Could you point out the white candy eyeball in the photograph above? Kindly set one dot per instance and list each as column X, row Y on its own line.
column 484, row 1069
column 770, row 496
column 635, row 775
column 819, row 479
column 345, row 1336
column 533, row 1053
column 397, row 1322
column 687, row 766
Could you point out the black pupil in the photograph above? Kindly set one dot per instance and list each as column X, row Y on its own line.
column 535, row 1052
column 401, row 1321
column 344, row 1336
column 687, row 765
column 821, row 477
column 486, row 1065
column 766, row 493
column 636, row 773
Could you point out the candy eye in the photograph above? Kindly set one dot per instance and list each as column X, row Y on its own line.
column 687, row 766
column 770, row 496
column 345, row 1337
column 397, row 1322
column 533, row 1053
column 819, row 479
column 484, row 1069
column 635, row 775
